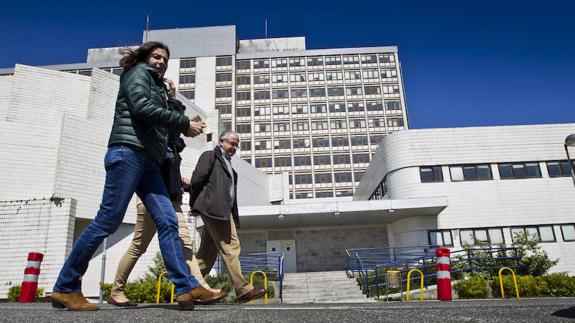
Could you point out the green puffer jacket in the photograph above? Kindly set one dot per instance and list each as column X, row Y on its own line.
column 144, row 116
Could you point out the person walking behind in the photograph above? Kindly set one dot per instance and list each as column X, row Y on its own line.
column 137, row 145
column 213, row 196
column 145, row 228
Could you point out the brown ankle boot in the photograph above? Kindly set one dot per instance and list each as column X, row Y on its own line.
column 72, row 301
column 201, row 296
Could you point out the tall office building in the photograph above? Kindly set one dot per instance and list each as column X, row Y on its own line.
column 317, row 115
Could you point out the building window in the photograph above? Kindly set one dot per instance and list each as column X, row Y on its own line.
column 263, row 162
column 492, row 236
column 568, row 232
column 223, row 93
column 243, row 112
column 341, row 159
column 395, row 122
column 374, row 106
column 559, row 168
column 380, row 191
column 470, row 173
column 189, row 94
column 342, row 177
column 361, row 158
column 320, row 142
column 243, row 65
column 224, row 61
column 243, row 96
column 519, row 170
column 261, row 63
column 339, row 141
column 332, row 60
column 431, row 174
column 441, row 238
column 240, row 80
column 321, row 160
column 323, row 178
column 187, row 63
column 261, row 79
column 187, row 78
column 336, row 107
column 303, row 179
column 246, row 145
column 358, row 140
column 301, row 160
column 358, row 175
column 544, row 233
column 225, row 77
column 224, row 109
column 315, row 61
column 244, row 128
column 392, row 105
column 283, row 161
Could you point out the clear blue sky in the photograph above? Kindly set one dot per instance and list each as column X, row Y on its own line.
column 465, row 62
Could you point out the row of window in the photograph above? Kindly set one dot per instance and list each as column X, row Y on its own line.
column 331, row 60
column 494, row 236
column 316, row 142
column 307, row 160
column 368, row 75
column 337, row 176
column 324, row 125
column 338, row 124
column 476, row 172
column 296, row 93
column 304, row 109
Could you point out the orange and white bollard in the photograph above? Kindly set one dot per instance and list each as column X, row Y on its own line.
column 30, row 282
column 443, row 268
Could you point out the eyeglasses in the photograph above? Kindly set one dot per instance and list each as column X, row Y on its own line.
column 233, row 143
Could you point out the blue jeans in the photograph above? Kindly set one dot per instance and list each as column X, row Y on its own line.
column 129, row 170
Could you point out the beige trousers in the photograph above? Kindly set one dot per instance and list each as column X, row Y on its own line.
column 218, row 235
column 143, row 233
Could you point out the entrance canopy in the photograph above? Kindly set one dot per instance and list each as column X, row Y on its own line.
column 337, row 213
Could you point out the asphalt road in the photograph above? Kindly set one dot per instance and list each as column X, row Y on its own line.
column 528, row 310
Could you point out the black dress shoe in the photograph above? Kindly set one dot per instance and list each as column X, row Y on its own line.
column 251, row 295
column 128, row 303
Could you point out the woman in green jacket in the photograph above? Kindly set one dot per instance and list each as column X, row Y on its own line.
column 137, row 145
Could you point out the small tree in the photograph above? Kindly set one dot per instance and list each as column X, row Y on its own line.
column 533, row 260
column 156, row 268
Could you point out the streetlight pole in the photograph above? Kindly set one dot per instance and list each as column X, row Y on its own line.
column 570, row 141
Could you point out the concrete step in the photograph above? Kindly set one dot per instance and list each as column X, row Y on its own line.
column 321, row 287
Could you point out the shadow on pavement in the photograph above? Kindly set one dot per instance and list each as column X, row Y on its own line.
column 568, row 313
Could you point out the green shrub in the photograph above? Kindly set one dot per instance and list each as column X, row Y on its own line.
column 474, row 287
column 14, row 294
column 529, row 286
column 559, row 284
column 533, row 260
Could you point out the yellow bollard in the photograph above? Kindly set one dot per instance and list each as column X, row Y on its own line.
column 420, row 281
column 158, row 285
column 514, row 282
column 265, row 284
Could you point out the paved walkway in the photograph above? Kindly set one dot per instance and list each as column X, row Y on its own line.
column 528, row 310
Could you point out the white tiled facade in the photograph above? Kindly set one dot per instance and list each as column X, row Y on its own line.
column 54, row 129
column 541, row 202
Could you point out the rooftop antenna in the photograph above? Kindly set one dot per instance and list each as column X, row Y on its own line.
column 147, row 26
column 266, row 28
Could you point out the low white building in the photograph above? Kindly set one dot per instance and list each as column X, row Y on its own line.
column 54, row 129
column 496, row 180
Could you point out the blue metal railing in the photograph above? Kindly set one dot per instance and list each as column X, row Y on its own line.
column 370, row 265
column 268, row 262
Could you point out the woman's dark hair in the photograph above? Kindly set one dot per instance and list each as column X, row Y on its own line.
column 140, row 54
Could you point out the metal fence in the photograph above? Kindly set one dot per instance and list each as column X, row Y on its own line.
column 371, row 265
column 268, row 262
